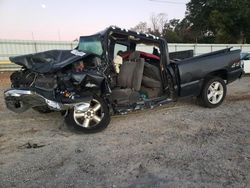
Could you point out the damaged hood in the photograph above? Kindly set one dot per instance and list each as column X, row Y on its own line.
column 48, row 61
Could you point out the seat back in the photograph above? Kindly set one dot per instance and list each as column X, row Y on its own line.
column 130, row 75
column 152, row 71
column 138, row 74
column 134, row 56
column 125, row 75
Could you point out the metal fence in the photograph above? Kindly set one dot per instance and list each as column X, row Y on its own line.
column 19, row 47
column 200, row 49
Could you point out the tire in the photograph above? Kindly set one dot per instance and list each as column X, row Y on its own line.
column 213, row 92
column 92, row 119
column 42, row 109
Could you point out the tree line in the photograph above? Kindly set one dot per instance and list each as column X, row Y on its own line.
column 206, row 21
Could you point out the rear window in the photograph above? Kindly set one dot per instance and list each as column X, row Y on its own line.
column 146, row 48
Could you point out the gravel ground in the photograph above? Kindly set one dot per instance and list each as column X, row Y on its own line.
column 177, row 145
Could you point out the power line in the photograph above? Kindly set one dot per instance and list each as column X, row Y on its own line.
column 168, row 2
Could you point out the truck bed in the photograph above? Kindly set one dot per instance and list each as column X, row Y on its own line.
column 193, row 71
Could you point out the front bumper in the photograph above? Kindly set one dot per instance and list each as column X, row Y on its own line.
column 19, row 100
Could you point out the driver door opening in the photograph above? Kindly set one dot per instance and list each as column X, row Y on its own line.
column 136, row 74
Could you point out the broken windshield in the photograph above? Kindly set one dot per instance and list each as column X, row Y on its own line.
column 91, row 44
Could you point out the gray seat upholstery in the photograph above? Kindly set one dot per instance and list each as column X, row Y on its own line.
column 124, row 96
column 150, row 82
column 125, row 75
column 130, row 75
column 129, row 82
column 152, row 71
column 134, row 56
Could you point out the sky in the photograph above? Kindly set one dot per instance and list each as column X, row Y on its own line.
column 68, row 19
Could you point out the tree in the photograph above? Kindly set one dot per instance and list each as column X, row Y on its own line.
column 169, row 32
column 227, row 21
column 174, row 31
column 185, row 33
column 158, row 22
column 155, row 27
column 141, row 27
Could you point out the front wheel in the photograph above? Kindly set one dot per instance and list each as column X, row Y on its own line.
column 213, row 92
column 89, row 117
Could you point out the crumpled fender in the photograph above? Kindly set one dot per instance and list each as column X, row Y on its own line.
column 48, row 61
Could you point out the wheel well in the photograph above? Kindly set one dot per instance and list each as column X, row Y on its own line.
column 220, row 73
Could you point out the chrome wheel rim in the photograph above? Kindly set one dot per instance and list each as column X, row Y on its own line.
column 88, row 116
column 215, row 92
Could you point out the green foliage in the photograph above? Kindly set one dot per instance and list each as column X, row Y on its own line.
column 206, row 21
column 226, row 20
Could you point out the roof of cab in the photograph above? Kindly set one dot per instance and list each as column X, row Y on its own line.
column 129, row 32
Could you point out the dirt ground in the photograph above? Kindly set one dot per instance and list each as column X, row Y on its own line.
column 177, row 145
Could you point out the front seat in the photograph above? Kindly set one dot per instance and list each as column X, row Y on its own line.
column 129, row 81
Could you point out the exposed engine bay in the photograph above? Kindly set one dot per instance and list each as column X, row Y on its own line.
column 72, row 84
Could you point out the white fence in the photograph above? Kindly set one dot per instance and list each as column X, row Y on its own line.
column 18, row 47
column 206, row 48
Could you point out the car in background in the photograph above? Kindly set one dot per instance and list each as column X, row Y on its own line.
column 245, row 59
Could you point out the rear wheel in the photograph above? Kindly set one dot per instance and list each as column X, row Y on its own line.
column 89, row 117
column 213, row 92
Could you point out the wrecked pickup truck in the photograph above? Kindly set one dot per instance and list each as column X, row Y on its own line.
column 114, row 72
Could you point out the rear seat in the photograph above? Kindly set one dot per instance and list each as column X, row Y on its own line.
column 151, row 76
column 151, row 80
column 152, row 71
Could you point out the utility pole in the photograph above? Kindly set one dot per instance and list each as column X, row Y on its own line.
column 32, row 35
column 59, row 35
